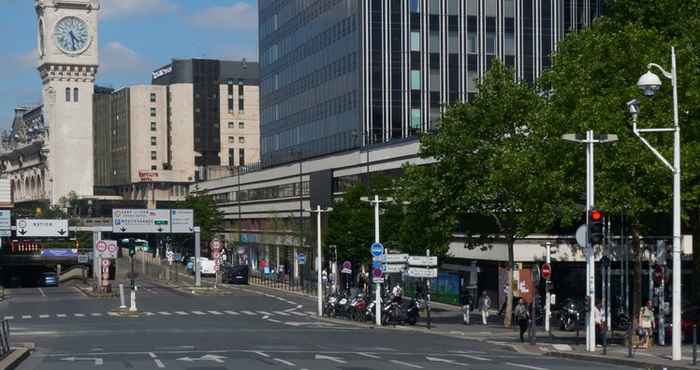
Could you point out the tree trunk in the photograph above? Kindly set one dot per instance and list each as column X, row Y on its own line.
column 508, row 315
column 637, row 274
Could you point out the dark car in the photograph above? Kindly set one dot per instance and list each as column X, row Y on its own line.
column 48, row 279
column 236, row 274
column 689, row 317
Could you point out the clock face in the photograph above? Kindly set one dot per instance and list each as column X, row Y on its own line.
column 71, row 35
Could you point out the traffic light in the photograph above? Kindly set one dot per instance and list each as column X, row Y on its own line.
column 596, row 220
column 132, row 247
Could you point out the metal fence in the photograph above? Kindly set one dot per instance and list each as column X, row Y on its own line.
column 4, row 338
column 282, row 281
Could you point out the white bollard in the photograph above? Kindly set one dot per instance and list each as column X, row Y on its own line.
column 121, row 296
column 133, row 301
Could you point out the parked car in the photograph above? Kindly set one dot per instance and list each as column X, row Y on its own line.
column 235, row 274
column 689, row 317
column 48, row 279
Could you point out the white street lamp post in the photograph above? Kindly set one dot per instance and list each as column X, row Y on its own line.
column 378, row 287
column 650, row 83
column 318, row 211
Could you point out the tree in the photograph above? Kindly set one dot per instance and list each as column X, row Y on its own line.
column 594, row 74
column 351, row 226
column 492, row 160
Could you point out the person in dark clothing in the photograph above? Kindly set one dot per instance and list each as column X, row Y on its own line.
column 522, row 316
column 465, row 299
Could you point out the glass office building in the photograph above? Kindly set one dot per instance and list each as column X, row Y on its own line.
column 338, row 74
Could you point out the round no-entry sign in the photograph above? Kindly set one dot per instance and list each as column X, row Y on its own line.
column 106, row 262
column 101, row 246
column 546, row 271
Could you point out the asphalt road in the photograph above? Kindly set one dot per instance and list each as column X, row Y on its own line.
column 242, row 329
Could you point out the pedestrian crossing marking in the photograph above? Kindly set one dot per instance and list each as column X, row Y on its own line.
column 95, row 314
column 281, row 313
column 61, row 315
column 298, row 313
column 25, row 317
column 79, row 315
column 264, row 313
column 234, row 313
column 248, row 313
column 43, row 316
column 200, row 313
column 164, row 313
column 9, row 318
column 215, row 312
column 181, row 313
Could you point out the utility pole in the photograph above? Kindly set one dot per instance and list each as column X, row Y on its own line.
column 378, row 286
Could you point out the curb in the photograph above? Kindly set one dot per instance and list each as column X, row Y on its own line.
column 15, row 358
column 618, row 361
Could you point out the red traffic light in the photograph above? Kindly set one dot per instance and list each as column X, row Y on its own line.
column 596, row 215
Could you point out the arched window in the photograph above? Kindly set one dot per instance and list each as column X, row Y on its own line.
column 76, row 96
column 67, row 94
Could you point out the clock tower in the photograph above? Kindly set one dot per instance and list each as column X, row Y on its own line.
column 68, row 61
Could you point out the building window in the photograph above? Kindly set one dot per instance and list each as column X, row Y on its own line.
column 241, row 125
column 415, row 6
column 240, row 88
column 415, row 119
column 241, row 140
column 231, row 125
column 153, row 112
column 68, row 94
column 231, row 139
column 230, row 89
column 154, row 168
column 230, row 105
column 154, row 155
column 154, row 140
column 153, row 126
column 76, row 95
column 415, row 80
column 231, row 157
column 241, row 157
column 240, row 105
column 415, row 41
column 153, row 97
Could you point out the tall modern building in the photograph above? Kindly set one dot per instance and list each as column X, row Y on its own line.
column 337, row 74
column 220, row 100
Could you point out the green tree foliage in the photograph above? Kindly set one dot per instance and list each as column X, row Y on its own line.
column 206, row 215
column 351, row 226
column 492, row 159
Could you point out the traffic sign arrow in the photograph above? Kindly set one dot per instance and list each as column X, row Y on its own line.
column 98, row 361
column 337, row 360
column 160, row 229
column 22, row 231
column 123, row 229
column 61, row 232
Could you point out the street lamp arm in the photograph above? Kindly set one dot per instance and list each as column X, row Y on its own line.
column 661, row 69
column 656, row 152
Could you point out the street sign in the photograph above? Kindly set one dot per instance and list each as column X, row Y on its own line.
column 5, row 233
column 546, row 271
column 106, row 248
column 42, row 228
column 422, row 260
column 395, row 258
column 377, row 276
column 421, row 272
column 347, row 268
column 301, row 257
column 392, row 268
column 59, row 253
column 152, row 221
column 182, row 221
column 83, row 258
column 5, row 220
column 377, row 249
column 216, row 244
column 581, row 236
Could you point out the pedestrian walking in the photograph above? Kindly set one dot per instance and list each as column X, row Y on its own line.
column 484, row 305
column 646, row 323
column 598, row 319
column 523, row 317
column 466, row 301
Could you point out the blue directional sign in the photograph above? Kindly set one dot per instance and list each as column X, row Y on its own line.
column 376, row 264
column 302, row 258
column 377, row 249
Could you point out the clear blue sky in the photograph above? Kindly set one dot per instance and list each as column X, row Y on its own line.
column 136, row 37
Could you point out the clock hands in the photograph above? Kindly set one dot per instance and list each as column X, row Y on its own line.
column 73, row 39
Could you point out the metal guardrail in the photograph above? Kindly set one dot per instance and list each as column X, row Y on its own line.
column 283, row 282
column 4, row 338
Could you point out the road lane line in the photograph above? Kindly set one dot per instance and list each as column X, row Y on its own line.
column 264, row 313
column 248, row 313
column 43, row 316
column 368, row 355
column 159, row 363
column 200, row 313
column 61, row 315
column 475, row 357
column 284, row 362
column 263, row 354
column 79, row 315
column 281, row 313
column 406, row 364
column 42, row 292
column 164, row 313
column 526, row 366
column 9, row 317
column 26, row 317
column 181, row 313
column 215, row 312
column 234, row 313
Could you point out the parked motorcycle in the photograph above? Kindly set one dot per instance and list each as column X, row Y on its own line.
column 570, row 315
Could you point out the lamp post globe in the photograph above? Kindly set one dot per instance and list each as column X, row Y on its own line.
column 649, row 83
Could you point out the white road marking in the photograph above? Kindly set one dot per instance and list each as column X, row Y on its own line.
column 79, row 314
column 284, row 362
column 263, row 354
column 98, row 362
column 475, row 357
column 42, row 292
column 80, row 291
column 406, row 364
column 9, row 318
column 181, row 313
column 62, row 315
column 96, row 314
column 275, row 321
column 165, row 313
column 445, row 361
column 25, row 317
column 290, row 309
column 264, row 313
column 310, row 313
column 43, row 316
column 281, row 313
column 159, row 363
column 562, row 347
column 200, row 313
column 234, row 313
column 153, row 355
column 368, row 355
column 298, row 313
column 116, row 314
column 337, row 360
column 215, row 312
column 526, row 366
column 248, row 313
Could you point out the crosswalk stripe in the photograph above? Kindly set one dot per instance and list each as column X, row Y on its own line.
column 95, row 314
column 248, row 313
column 298, row 313
column 9, row 318
column 215, row 312
column 234, row 313
column 281, row 313
column 116, row 314
column 61, row 315
column 164, row 313
column 43, row 316
column 310, row 313
column 264, row 313
column 79, row 315
column 25, row 317
column 406, row 364
column 145, row 313
column 181, row 313
column 198, row 313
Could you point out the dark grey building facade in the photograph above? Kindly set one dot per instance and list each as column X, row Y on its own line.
column 338, row 74
column 206, row 76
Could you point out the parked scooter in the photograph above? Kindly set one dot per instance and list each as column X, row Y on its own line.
column 570, row 316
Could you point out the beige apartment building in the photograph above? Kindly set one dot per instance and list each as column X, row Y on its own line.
column 240, row 124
